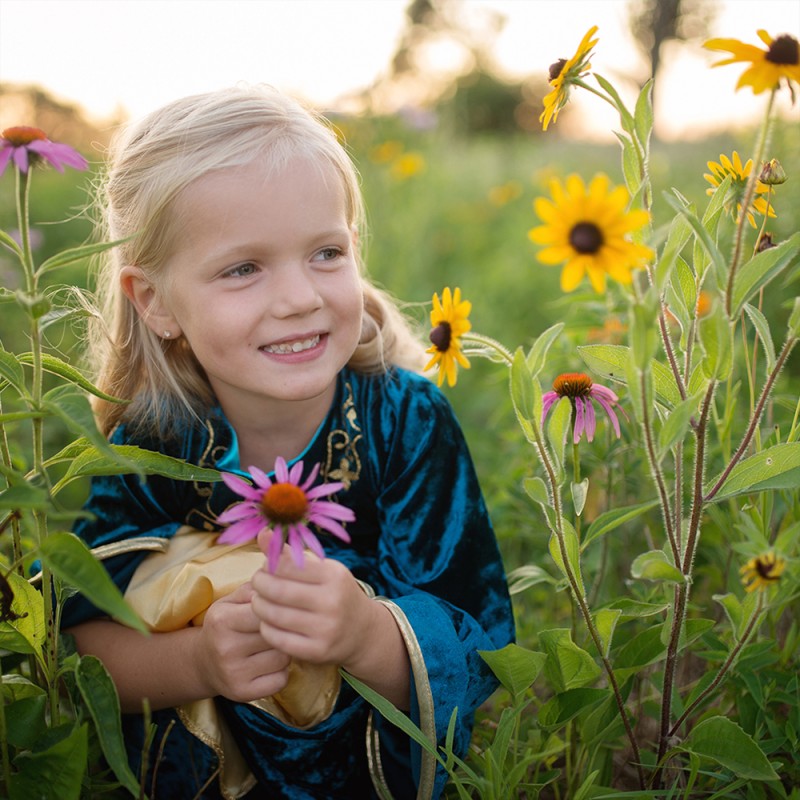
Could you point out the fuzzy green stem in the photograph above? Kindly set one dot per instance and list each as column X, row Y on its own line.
column 658, row 475
column 486, row 343
column 749, row 192
column 682, row 590
column 582, row 604
column 729, row 661
column 788, row 345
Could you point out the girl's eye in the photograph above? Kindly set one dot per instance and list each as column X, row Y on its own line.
column 242, row 270
column 328, row 254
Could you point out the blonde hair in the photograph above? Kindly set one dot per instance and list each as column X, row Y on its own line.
column 150, row 164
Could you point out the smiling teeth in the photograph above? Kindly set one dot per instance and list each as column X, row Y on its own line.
column 292, row 347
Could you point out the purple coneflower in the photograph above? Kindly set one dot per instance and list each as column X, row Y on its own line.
column 25, row 146
column 285, row 506
column 581, row 391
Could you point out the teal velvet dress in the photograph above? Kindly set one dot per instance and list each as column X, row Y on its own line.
column 422, row 540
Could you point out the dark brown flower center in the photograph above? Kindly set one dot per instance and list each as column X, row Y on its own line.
column 441, row 336
column 555, row 69
column 586, row 237
column 572, row 384
column 784, row 50
column 764, row 567
column 21, row 135
column 284, row 503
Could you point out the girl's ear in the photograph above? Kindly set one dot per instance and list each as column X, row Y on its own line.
column 148, row 303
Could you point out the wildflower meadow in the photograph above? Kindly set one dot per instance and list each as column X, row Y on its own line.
column 616, row 327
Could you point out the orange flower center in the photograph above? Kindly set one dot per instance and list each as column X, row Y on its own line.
column 784, row 50
column 441, row 336
column 572, row 384
column 284, row 503
column 21, row 135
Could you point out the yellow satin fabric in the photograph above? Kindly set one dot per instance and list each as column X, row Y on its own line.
column 173, row 589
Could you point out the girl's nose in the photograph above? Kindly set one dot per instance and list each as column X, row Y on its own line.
column 294, row 292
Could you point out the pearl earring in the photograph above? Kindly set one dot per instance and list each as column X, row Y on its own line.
column 167, row 334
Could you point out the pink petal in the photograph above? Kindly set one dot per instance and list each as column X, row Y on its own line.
column 311, row 478
column 324, row 489
column 611, row 415
column 242, row 531
column 578, row 420
column 296, row 543
column 260, row 477
column 295, row 473
column 20, row 156
column 5, row 157
column 238, row 511
column 603, row 391
column 331, row 526
column 590, row 424
column 274, row 550
column 548, row 398
column 241, row 487
column 333, row 510
column 311, row 542
column 281, row 472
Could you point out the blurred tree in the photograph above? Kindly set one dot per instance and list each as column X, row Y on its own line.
column 654, row 22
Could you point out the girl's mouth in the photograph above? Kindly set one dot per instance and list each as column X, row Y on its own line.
column 283, row 348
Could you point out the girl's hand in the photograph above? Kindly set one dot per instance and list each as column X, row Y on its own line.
column 320, row 614
column 233, row 659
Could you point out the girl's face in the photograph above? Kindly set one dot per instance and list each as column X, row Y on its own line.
column 264, row 284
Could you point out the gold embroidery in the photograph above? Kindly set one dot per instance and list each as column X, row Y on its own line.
column 202, row 517
column 343, row 460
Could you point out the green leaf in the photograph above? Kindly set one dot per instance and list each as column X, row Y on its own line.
column 701, row 234
column 630, row 164
column 716, row 339
column 25, row 633
column 733, row 608
column 761, row 269
column 723, row 741
column 611, row 360
column 605, row 621
column 635, row 609
column 52, row 774
column 558, row 426
column 655, row 566
column 58, row 367
column 610, row 520
column 573, row 553
column 73, row 254
column 643, row 115
column 679, row 233
column 563, row 707
column 579, row 492
column 526, row 396
column 515, row 667
column 100, row 696
column 527, row 575
column 11, row 244
column 777, row 467
column 85, row 459
column 677, row 423
column 72, row 561
column 568, row 666
column 762, row 327
column 25, row 495
column 25, row 720
column 625, row 116
column 11, row 371
column 537, row 356
column 536, row 489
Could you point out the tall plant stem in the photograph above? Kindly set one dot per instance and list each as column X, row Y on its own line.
column 682, row 590
column 788, row 345
column 749, row 192
column 658, row 476
column 751, row 625
column 37, row 425
column 582, row 604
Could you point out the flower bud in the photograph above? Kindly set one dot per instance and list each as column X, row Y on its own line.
column 765, row 242
column 772, row 173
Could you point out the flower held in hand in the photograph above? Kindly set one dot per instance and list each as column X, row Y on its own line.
column 285, row 506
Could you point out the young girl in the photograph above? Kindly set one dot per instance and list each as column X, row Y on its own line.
column 243, row 328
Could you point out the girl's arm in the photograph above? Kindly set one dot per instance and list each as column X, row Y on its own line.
column 319, row 613
column 225, row 656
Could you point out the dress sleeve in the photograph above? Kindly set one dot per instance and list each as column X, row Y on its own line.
column 439, row 559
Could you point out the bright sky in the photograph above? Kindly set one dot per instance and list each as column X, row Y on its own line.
column 137, row 54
